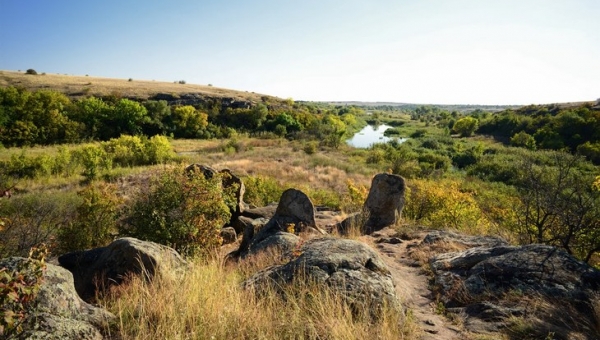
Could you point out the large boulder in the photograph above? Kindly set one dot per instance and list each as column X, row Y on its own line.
column 57, row 311
column 97, row 269
column 492, row 284
column 385, row 201
column 348, row 267
column 382, row 207
column 294, row 212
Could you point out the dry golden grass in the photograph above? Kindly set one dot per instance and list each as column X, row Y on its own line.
column 210, row 303
column 280, row 159
column 76, row 86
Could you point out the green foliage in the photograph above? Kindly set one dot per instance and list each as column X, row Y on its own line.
column 466, row 126
column 94, row 159
column 591, row 151
column 158, row 150
column 18, row 289
column 189, row 122
column 183, row 211
column 95, row 221
column 444, row 205
column 31, row 71
column 523, row 139
column 261, row 190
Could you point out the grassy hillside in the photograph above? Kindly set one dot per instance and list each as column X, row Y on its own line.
column 79, row 86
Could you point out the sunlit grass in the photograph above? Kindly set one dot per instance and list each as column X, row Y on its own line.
column 208, row 302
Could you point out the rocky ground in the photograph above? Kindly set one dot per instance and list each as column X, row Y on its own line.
column 454, row 286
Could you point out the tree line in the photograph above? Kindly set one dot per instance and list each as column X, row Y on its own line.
column 46, row 117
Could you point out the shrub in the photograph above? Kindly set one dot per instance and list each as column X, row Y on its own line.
column 31, row 71
column 95, row 221
column 183, row 211
column 94, row 159
column 261, row 190
column 158, row 150
column 310, row 147
column 18, row 289
column 441, row 204
column 126, row 150
column 31, row 219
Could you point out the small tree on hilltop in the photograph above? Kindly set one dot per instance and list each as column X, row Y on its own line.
column 31, row 71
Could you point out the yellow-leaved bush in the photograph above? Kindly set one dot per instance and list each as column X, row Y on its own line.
column 442, row 204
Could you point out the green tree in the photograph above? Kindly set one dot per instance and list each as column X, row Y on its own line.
column 189, row 122
column 466, row 126
column 523, row 139
column 94, row 114
column 129, row 117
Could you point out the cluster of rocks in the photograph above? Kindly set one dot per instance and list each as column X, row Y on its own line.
column 487, row 282
column 491, row 284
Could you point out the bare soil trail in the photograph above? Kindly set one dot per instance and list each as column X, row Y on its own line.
column 412, row 286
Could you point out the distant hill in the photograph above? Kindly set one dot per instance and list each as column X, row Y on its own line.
column 410, row 106
column 455, row 107
column 82, row 86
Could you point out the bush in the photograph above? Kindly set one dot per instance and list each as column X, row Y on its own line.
column 94, row 159
column 311, row 147
column 95, row 221
column 18, row 288
column 443, row 205
column 158, row 150
column 180, row 210
column 31, row 71
column 126, row 150
column 261, row 190
column 31, row 219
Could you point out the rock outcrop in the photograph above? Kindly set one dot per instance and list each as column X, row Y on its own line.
column 97, row 269
column 492, row 284
column 231, row 184
column 295, row 213
column 59, row 312
column 348, row 267
column 382, row 207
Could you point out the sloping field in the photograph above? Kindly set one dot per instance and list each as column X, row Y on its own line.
column 78, row 86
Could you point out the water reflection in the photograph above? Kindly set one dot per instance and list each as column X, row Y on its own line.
column 370, row 135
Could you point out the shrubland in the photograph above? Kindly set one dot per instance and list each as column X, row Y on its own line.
column 90, row 170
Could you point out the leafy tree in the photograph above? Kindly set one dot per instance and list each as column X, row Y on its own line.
column 591, row 151
column 94, row 159
column 128, row 116
column 159, row 118
column 332, row 131
column 466, row 126
column 523, row 139
column 94, row 114
column 189, row 122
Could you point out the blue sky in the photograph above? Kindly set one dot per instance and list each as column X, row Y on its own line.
column 419, row 51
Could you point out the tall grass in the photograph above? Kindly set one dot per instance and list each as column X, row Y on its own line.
column 208, row 302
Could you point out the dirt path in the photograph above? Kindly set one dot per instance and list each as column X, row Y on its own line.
column 412, row 286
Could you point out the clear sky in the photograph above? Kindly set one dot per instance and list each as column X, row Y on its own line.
column 417, row 51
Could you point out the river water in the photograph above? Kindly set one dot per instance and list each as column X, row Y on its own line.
column 370, row 135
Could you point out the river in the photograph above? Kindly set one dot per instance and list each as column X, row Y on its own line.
column 370, row 135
